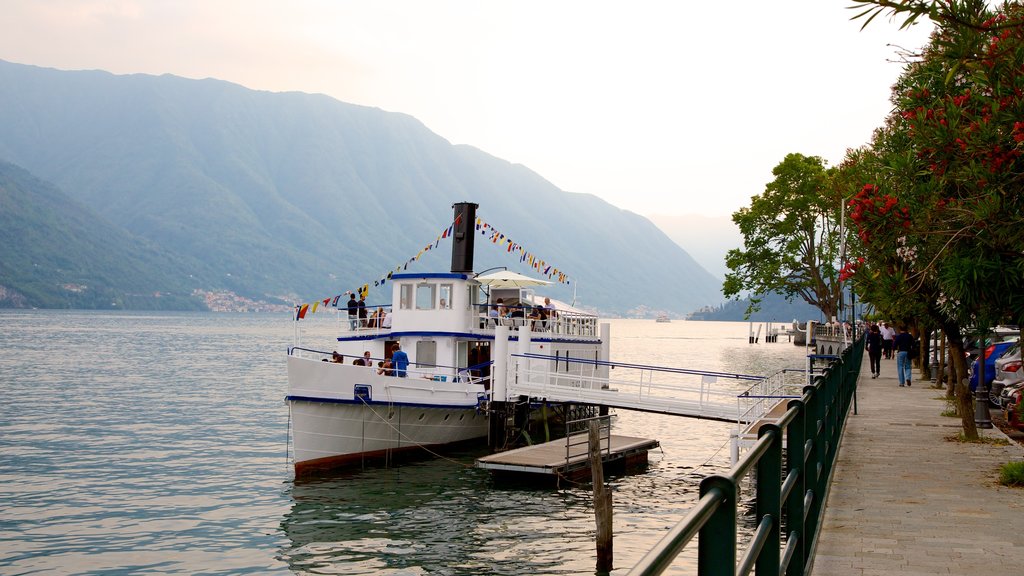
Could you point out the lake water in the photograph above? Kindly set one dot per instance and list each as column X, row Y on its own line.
column 157, row 443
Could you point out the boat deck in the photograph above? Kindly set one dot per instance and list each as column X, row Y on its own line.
column 567, row 455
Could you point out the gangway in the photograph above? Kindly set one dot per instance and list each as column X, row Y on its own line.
column 660, row 390
column 747, row 401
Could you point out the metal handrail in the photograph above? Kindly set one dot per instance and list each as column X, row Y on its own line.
column 814, row 424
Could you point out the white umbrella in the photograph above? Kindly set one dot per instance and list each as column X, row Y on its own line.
column 507, row 279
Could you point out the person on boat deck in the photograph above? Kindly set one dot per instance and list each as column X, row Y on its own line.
column 337, row 358
column 375, row 318
column 361, row 305
column 367, row 361
column 399, row 359
column 500, row 311
column 549, row 307
column 353, row 311
column 539, row 316
column 385, row 319
column 384, row 367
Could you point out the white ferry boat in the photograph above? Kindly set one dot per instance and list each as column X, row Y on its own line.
column 445, row 323
column 662, row 318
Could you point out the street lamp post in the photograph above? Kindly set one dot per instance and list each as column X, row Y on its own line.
column 982, row 418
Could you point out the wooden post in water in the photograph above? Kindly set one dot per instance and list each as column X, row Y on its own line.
column 602, row 500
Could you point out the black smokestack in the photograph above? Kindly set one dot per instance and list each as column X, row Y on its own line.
column 463, row 236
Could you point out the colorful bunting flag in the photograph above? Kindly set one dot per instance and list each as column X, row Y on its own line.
column 484, row 228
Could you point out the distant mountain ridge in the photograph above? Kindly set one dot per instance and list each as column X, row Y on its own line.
column 293, row 195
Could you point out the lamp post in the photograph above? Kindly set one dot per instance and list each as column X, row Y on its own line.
column 982, row 418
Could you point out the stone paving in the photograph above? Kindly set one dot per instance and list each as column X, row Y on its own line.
column 905, row 500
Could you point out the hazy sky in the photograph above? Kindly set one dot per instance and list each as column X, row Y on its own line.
column 667, row 107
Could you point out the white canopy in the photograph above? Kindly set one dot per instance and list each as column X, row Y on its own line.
column 508, row 279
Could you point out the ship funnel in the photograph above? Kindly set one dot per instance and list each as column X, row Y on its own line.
column 463, row 235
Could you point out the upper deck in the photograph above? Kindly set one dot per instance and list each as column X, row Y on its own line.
column 455, row 304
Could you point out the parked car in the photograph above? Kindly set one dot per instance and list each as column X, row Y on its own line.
column 992, row 353
column 1007, row 371
column 1007, row 393
column 1014, row 407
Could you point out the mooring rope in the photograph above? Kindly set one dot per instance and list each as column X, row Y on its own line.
column 409, row 440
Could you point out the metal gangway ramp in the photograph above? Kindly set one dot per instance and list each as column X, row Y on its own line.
column 660, row 390
column 740, row 398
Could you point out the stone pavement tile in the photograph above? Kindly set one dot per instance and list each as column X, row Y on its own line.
column 905, row 500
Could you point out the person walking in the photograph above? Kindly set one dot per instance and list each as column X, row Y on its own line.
column 399, row 360
column 874, row 344
column 902, row 344
column 888, row 333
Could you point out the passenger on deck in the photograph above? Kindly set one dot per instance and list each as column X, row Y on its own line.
column 375, row 318
column 337, row 358
column 384, row 367
column 353, row 312
column 385, row 319
column 399, row 359
column 361, row 307
column 500, row 311
column 367, row 361
column 539, row 318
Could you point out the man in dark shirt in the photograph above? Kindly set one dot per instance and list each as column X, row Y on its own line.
column 361, row 305
column 902, row 343
column 352, row 311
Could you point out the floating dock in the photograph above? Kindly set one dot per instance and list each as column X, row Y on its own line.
column 569, row 456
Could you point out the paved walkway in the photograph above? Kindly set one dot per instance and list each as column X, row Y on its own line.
column 906, row 501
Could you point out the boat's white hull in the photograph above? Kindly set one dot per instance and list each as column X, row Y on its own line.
column 330, row 434
column 347, row 414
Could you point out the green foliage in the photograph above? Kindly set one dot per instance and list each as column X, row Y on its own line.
column 1012, row 474
column 790, row 237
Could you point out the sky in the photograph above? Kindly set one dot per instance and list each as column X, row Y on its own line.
column 657, row 107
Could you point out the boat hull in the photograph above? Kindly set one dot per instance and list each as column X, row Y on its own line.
column 344, row 415
column 331, row 435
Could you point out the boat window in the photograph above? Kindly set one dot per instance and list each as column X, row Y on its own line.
column 474, row 297
column 446, row 297
column 425, row 296
column 426, row 353
column 405, row 296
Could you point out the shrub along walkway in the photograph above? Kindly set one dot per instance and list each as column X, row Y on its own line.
column 905, row 500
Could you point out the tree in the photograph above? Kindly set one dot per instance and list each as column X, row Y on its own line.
column 939, row 222
column 790, row 238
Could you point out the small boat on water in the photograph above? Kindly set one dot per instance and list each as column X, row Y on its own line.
column 444, row 323
column 662, row 318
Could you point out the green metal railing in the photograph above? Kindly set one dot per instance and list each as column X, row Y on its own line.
column 789, row 508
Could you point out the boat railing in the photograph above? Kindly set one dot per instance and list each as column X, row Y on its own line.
column 377, row 321
column 789, row 486
column 561, row 323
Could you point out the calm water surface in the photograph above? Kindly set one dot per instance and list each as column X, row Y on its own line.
column 157, row 443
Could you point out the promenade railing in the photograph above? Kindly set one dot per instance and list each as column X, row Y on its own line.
column 792, row 464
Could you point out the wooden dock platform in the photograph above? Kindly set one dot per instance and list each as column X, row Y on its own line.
column 570, row 455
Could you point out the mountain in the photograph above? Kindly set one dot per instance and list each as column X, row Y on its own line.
column 295, row 195
column 59, row 254
column 773, row 308
column 706, row 238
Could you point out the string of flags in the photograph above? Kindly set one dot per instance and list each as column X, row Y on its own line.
column 496, row 237
column 535, row 262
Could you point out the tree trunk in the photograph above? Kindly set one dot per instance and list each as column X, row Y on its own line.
column 958, row 373
column 924, row 336
column 943, row 379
